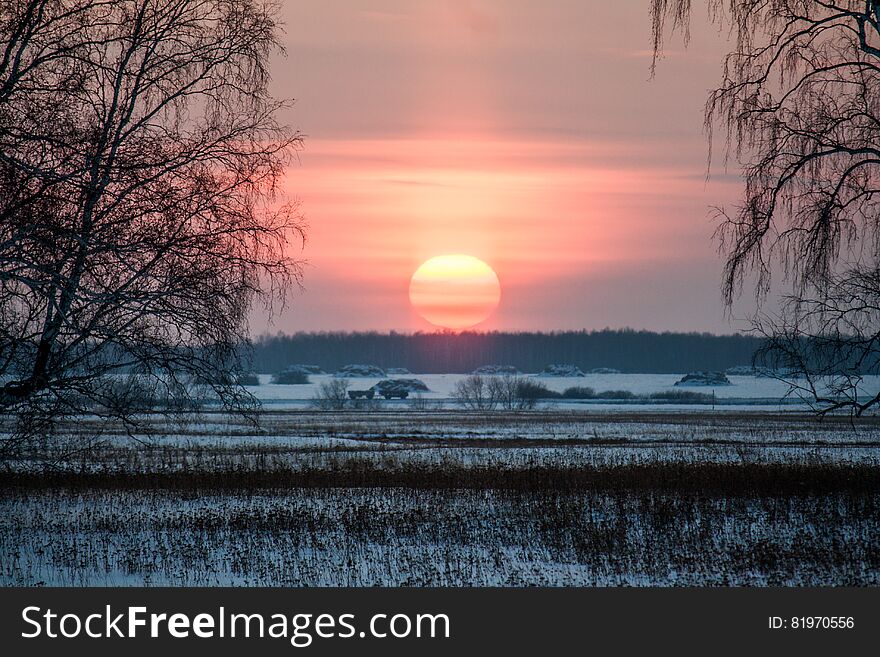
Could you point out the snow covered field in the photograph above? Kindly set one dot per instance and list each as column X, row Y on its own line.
column 757, row 393
column 447, row 497
column 410, row 537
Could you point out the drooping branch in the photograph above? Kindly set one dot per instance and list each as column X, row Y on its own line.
column 799, row 110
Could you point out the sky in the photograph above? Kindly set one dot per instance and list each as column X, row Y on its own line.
column 528, row 135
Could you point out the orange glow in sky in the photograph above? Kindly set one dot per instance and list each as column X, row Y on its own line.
column 528, row 134
column 454, row 291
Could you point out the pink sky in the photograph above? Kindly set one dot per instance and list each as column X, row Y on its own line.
column 525, row 134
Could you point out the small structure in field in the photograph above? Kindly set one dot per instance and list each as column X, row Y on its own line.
column 399, row 388
column 704, row 379
column 247, row 379
column 293, row 375
column 496, row 369
column 561, row 370
column 359, row 371
column 305, row 369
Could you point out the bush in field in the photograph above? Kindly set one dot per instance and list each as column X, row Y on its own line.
column 528, row 393
column 225, row 379
column 247, row 379
column 509, row 392
column 683, row 397
column 332, row 395
column 290, row 377
column 616, row 394
column 505, row 390
column 476, row 393
column 579, row 392
column 214, row 379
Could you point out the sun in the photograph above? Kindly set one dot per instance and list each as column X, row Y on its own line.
column 454, row 291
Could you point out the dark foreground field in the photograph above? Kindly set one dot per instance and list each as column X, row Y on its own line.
column 320, row 499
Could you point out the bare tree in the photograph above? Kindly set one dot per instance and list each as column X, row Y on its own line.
column 822, row 347
column 515, row 393
column 509, row 392
column 476, row 392
column 799, row 104
column 504, row 390
column 139, row 160
column 332, row 395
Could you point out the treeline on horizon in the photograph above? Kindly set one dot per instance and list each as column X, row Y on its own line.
column 627, row 350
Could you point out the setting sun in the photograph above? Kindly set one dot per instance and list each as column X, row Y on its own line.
column 454, row 291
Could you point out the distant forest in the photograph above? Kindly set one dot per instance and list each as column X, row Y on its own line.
column 432, row 353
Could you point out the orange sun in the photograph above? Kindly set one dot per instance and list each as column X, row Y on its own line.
column 454, row 291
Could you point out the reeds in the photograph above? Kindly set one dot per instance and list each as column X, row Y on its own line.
column 438, row 498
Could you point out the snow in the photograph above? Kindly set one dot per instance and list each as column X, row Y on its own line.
column 370, row 537
column 492, row 370
column 754, row 393
column 704, row 379
column 394, row 536
column 561, row 370
column 360, row 371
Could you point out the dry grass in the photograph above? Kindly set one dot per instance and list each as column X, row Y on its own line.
column 406, row 536
column 712, row 479
column 456, row 499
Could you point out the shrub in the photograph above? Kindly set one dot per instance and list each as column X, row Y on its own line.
column 475, row 392
column 616, row 394
column 531, row 391
column 683, row 397
column 247, row 379
column 230, row 378
column 504, row 391
column 216, row 378
column 291, row 377
column 510, row 392
column 332, row 395
column 578, row 392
